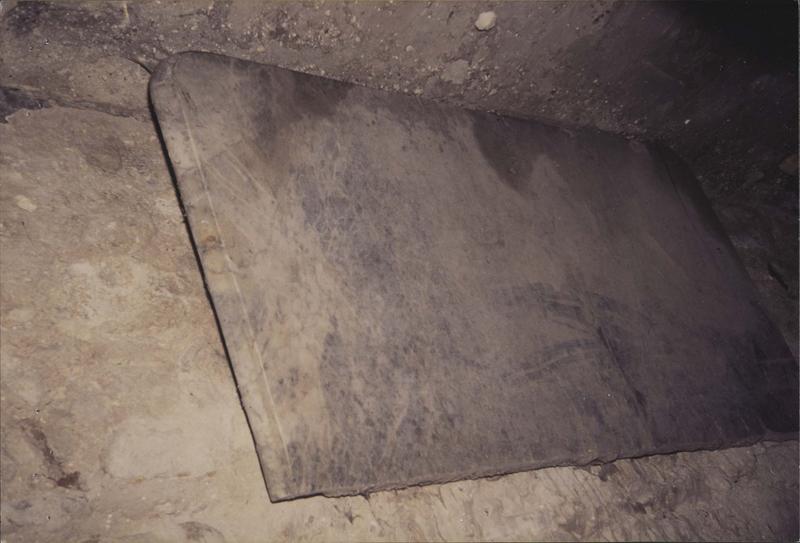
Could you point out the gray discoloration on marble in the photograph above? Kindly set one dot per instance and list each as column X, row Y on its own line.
column 395, row 278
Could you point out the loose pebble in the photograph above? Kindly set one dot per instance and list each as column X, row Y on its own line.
column 486, row 20
column 24, row 203
column 789, row 165
column 456, row 72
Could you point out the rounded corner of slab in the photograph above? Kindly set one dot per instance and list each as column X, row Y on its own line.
column 170, row 68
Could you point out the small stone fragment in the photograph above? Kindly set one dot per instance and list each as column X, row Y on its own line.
column 24, row 203
column 789, row 165
column 486, row 20
column 456, row 72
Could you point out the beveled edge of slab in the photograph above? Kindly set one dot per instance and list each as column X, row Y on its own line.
column 166, row 95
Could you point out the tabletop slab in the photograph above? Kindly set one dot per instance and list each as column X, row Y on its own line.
column 413, row 293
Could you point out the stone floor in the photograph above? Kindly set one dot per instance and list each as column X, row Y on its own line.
column 120, row 420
